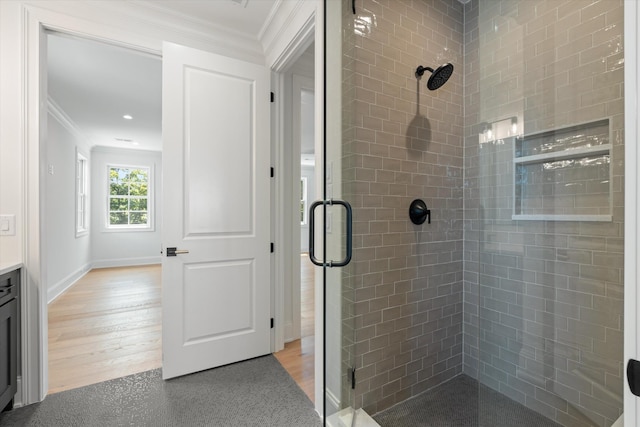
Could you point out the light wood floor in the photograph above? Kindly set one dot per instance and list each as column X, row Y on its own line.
column 298, row 356
column 105, row 326
column 108, row 325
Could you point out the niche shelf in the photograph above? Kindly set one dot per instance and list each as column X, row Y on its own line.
column 564, row 174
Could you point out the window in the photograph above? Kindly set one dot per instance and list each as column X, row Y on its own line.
column 129, row 197
column 82, row 223
column 303, row 201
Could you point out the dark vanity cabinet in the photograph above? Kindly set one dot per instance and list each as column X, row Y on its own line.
column 9, row 289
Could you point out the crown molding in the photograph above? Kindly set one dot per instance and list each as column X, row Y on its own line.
column 272, row 15
column 155, row 22
column 227, row 42
column 63, row 118
column 289, row 25
column 201, row 24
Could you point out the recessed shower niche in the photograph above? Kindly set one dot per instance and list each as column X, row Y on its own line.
column 564, row 174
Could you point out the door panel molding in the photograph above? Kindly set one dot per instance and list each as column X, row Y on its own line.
column 216, row 304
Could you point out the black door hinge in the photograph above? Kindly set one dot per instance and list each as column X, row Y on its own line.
column 273, row 247
column 273, row 97
column 273, row 172
column 353, row 378
column 272, row 323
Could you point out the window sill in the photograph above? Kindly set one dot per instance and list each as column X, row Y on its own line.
column 128, row 229
column 563, row 217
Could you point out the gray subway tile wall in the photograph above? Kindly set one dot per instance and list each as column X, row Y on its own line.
column 403, row 142
column 531, row 308
column 543, row 299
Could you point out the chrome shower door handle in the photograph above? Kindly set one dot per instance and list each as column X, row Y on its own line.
column 349, row 233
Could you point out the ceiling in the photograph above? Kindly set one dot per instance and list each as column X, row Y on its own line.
column 95, row 84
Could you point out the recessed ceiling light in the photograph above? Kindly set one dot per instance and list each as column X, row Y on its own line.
column 127, row 117
column 135, row 143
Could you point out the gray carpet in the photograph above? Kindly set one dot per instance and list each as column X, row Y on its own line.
column 258, row 392
column 457, row 403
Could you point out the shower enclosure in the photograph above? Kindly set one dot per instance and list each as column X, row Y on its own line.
column 513, row 290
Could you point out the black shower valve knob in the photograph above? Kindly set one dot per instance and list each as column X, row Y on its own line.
column 418, row 212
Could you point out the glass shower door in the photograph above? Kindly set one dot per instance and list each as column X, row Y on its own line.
column 340, row 279
column 501, row 122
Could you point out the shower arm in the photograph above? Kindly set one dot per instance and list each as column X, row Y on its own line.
column 420, row 70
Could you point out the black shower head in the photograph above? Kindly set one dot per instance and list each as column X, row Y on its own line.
column 438, row 77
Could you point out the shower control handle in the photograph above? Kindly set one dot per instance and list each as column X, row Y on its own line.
column 418, row 212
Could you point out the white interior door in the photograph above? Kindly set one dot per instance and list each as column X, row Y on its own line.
column 216, row 298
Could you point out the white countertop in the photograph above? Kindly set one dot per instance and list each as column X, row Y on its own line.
column 6, row 267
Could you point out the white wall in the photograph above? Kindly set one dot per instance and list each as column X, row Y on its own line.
column 111, row 248
column 308, row 172
column 68, row 256
column 12, row 187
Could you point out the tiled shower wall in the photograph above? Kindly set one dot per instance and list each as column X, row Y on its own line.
column 542, row 299
column 543, row 311
column 402, row 142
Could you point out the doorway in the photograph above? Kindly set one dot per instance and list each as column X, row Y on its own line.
column 147, row 37
column 102, row 224
column 298, row 356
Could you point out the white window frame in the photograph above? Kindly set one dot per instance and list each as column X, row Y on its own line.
column 150, row 189
column 82, row 194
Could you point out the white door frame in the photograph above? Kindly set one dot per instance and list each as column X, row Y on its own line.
column 33, row 383
column 284, row 275
column 34, row 344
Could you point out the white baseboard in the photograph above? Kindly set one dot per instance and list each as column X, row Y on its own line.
column 126, row 262
column 58, row 289
column 17, row 399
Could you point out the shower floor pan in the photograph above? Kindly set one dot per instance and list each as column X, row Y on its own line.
column 456, row 403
